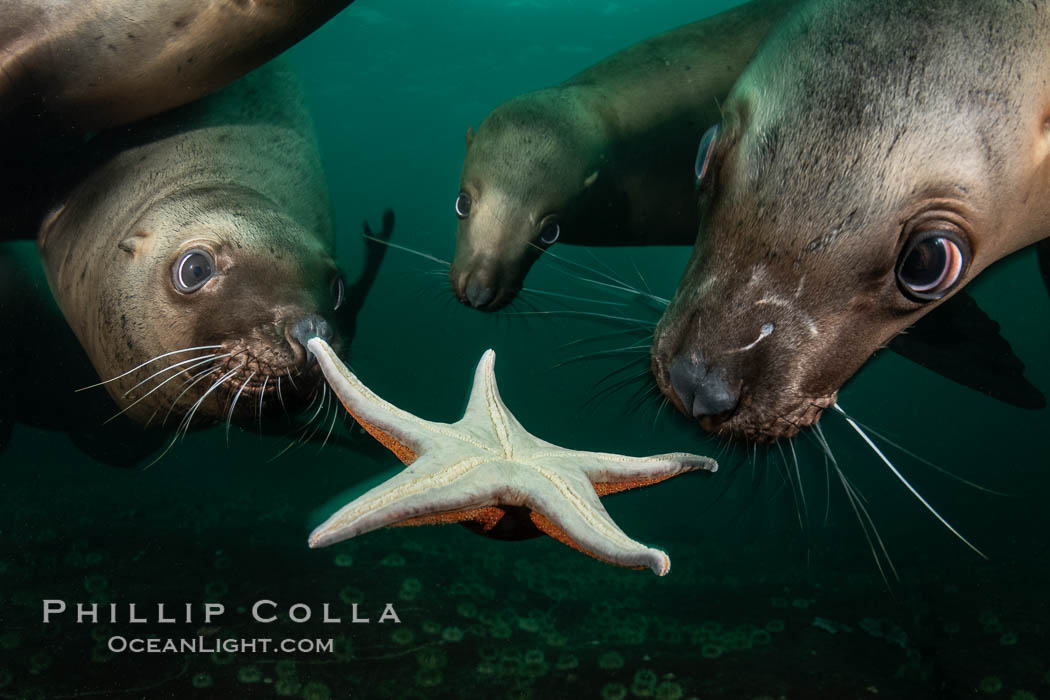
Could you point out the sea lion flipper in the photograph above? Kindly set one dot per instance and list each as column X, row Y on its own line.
column 1043, row 253
column 118, row 444
column 375, row 250
column 960, row 342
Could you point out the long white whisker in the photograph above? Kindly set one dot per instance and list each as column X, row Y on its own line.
column 134, row 369
column 207, row 360
column 229, row 414
column 935, row 466
column 420, row 253
column 192, row 383
column 590, row 314
column 335, row 416
column 888, row 463
column 184, row 426
column 189, row 416
column 262, row 395
column 823, row 441
column 571, row 297
column 170, row 367
column 862, row 514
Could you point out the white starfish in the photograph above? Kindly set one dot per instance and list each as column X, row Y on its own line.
column 486, row 466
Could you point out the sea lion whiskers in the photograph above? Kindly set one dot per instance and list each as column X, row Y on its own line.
column 798, row 495
column 331, row 427
column 140, row 366
column 190, row 383
column 900, row 477
column 443, row 272
column 856, row 501
column 212, row 359
column 612, row 281
column 233, row 404
column 326, row 403
column 171, row 367
column 933, row 465
column 184, row 425
column 262, row 395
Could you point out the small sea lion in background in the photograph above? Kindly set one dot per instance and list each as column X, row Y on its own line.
column 601, row 159
column 195, row 259
column 870, row 162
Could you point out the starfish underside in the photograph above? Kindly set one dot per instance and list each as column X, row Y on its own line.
column 485, row 467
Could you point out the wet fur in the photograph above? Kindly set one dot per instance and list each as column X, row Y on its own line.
column 238, row 173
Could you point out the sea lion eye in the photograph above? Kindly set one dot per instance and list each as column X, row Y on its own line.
column 931, row 264
column 463, row 202
column 703, row 154
column 338, row 291
column 192, row 270
column 549, row 232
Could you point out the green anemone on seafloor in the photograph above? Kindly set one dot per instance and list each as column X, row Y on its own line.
column 316, row 691
column 610, row 661
column 668, row 690
column 287, row 687
column 202, row 680
column 990, row 684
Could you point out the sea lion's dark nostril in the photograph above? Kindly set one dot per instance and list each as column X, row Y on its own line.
column 311, row 326
column 479, row 296
column 703, row 390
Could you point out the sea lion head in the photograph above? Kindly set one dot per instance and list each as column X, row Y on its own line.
column 212, row 291
column 871, row 161
column 526, row 170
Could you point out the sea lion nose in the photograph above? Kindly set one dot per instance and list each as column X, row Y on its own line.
column 703, row 390
column 479, row 295
column 311, row 326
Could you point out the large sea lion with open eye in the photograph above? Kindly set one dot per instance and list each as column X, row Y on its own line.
column 872, row 160
column 199, row 249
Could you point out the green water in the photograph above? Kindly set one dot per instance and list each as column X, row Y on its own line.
column 757, row 559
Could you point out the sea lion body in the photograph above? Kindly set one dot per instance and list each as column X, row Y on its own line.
column 72, row 67
column 235, row 179
column 606, row 155
column 865, row 144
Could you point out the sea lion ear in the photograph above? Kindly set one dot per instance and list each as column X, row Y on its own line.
column 131, row 243
column 470, row 135
column 589, row 180
column 47, row 225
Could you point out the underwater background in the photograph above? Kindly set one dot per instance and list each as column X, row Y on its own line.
column 774, row 590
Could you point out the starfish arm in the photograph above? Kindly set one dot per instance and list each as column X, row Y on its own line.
column 571, row 511
column 608, row 468
column 486, row 415
column 425, row 488
column 406, row 435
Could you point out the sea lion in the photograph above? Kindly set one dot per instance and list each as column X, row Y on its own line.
column 607, row 159
column 71, row 67
column 601, row 159
column 872, row 160
column 39, row 378
column 199, row 249
column 1044, row 262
